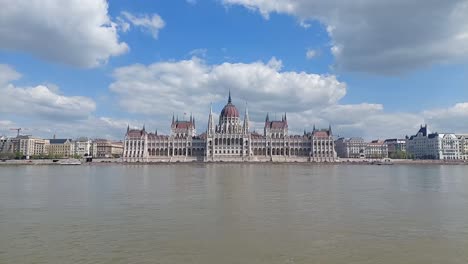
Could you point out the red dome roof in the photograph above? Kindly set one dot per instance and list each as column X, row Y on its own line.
column 230, row 110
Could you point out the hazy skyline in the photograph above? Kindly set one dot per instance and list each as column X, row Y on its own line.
column 375, row 69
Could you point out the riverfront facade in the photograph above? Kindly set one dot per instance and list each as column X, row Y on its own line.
column 427, row 145
column 229, row 140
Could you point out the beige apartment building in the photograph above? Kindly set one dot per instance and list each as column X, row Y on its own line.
column 28, row 146
column 103, row 148
column 63, row 148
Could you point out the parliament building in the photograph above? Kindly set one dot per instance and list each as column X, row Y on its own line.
column 230, row 140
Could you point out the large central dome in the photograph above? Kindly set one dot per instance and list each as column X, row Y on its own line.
column 229, row 110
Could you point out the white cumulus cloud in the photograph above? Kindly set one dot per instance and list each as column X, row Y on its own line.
column 149, row 23
column 190, row 85
column 40, row 101
column 74, row 32
column 380, row 36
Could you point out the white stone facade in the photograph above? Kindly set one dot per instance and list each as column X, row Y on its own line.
column 83, row 147
column 230, row 140
column 103, row 148
column 463, row 146
column 351, row 148
column 440, row 146
column 357, row 148
column 376, row 149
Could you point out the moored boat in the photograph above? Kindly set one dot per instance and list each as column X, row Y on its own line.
column 69, row 162
column 383, row 162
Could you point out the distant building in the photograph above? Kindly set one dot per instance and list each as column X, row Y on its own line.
column 229, row 140
column 103, row 148
column 395, row 147
column 376, row 149
column 426, row 145
column 357, row 148
column 28, row 146
column 463, row 146
column 64, row 148
column 83, row 147
column 351, row 147
column 5, row 145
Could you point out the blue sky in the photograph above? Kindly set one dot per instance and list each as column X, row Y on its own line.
column 88, row 68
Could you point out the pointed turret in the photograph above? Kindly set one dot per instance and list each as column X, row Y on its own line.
column 329, row 130
column 210, row 121
column 246, row 120
column 156, row 132
column 267, row 119
column 173, row 120
column 128, row 128
column 144, row 128
column 193, row 122
column 229, row 99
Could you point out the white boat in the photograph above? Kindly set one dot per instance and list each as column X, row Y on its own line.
column 385, row 161
column 69, row 162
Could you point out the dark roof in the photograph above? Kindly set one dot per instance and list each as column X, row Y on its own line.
column 423, row 130
column 59, row 141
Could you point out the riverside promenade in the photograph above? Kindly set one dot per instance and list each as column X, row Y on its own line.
column 338, row 161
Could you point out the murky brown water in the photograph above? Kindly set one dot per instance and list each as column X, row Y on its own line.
column 220, row 213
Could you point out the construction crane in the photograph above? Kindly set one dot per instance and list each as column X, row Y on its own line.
column 17, row 130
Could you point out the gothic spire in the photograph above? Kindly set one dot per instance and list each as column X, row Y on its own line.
column 210, row 121
column 267, row 119
column 229, row 99
column 246, row 119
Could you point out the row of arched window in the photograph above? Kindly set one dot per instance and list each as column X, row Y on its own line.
column 229, row 141
column 176, row 152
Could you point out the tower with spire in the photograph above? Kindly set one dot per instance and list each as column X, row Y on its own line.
column 246, row 120
column 211, row 124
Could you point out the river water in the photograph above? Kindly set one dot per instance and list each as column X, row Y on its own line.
column 234, row 213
